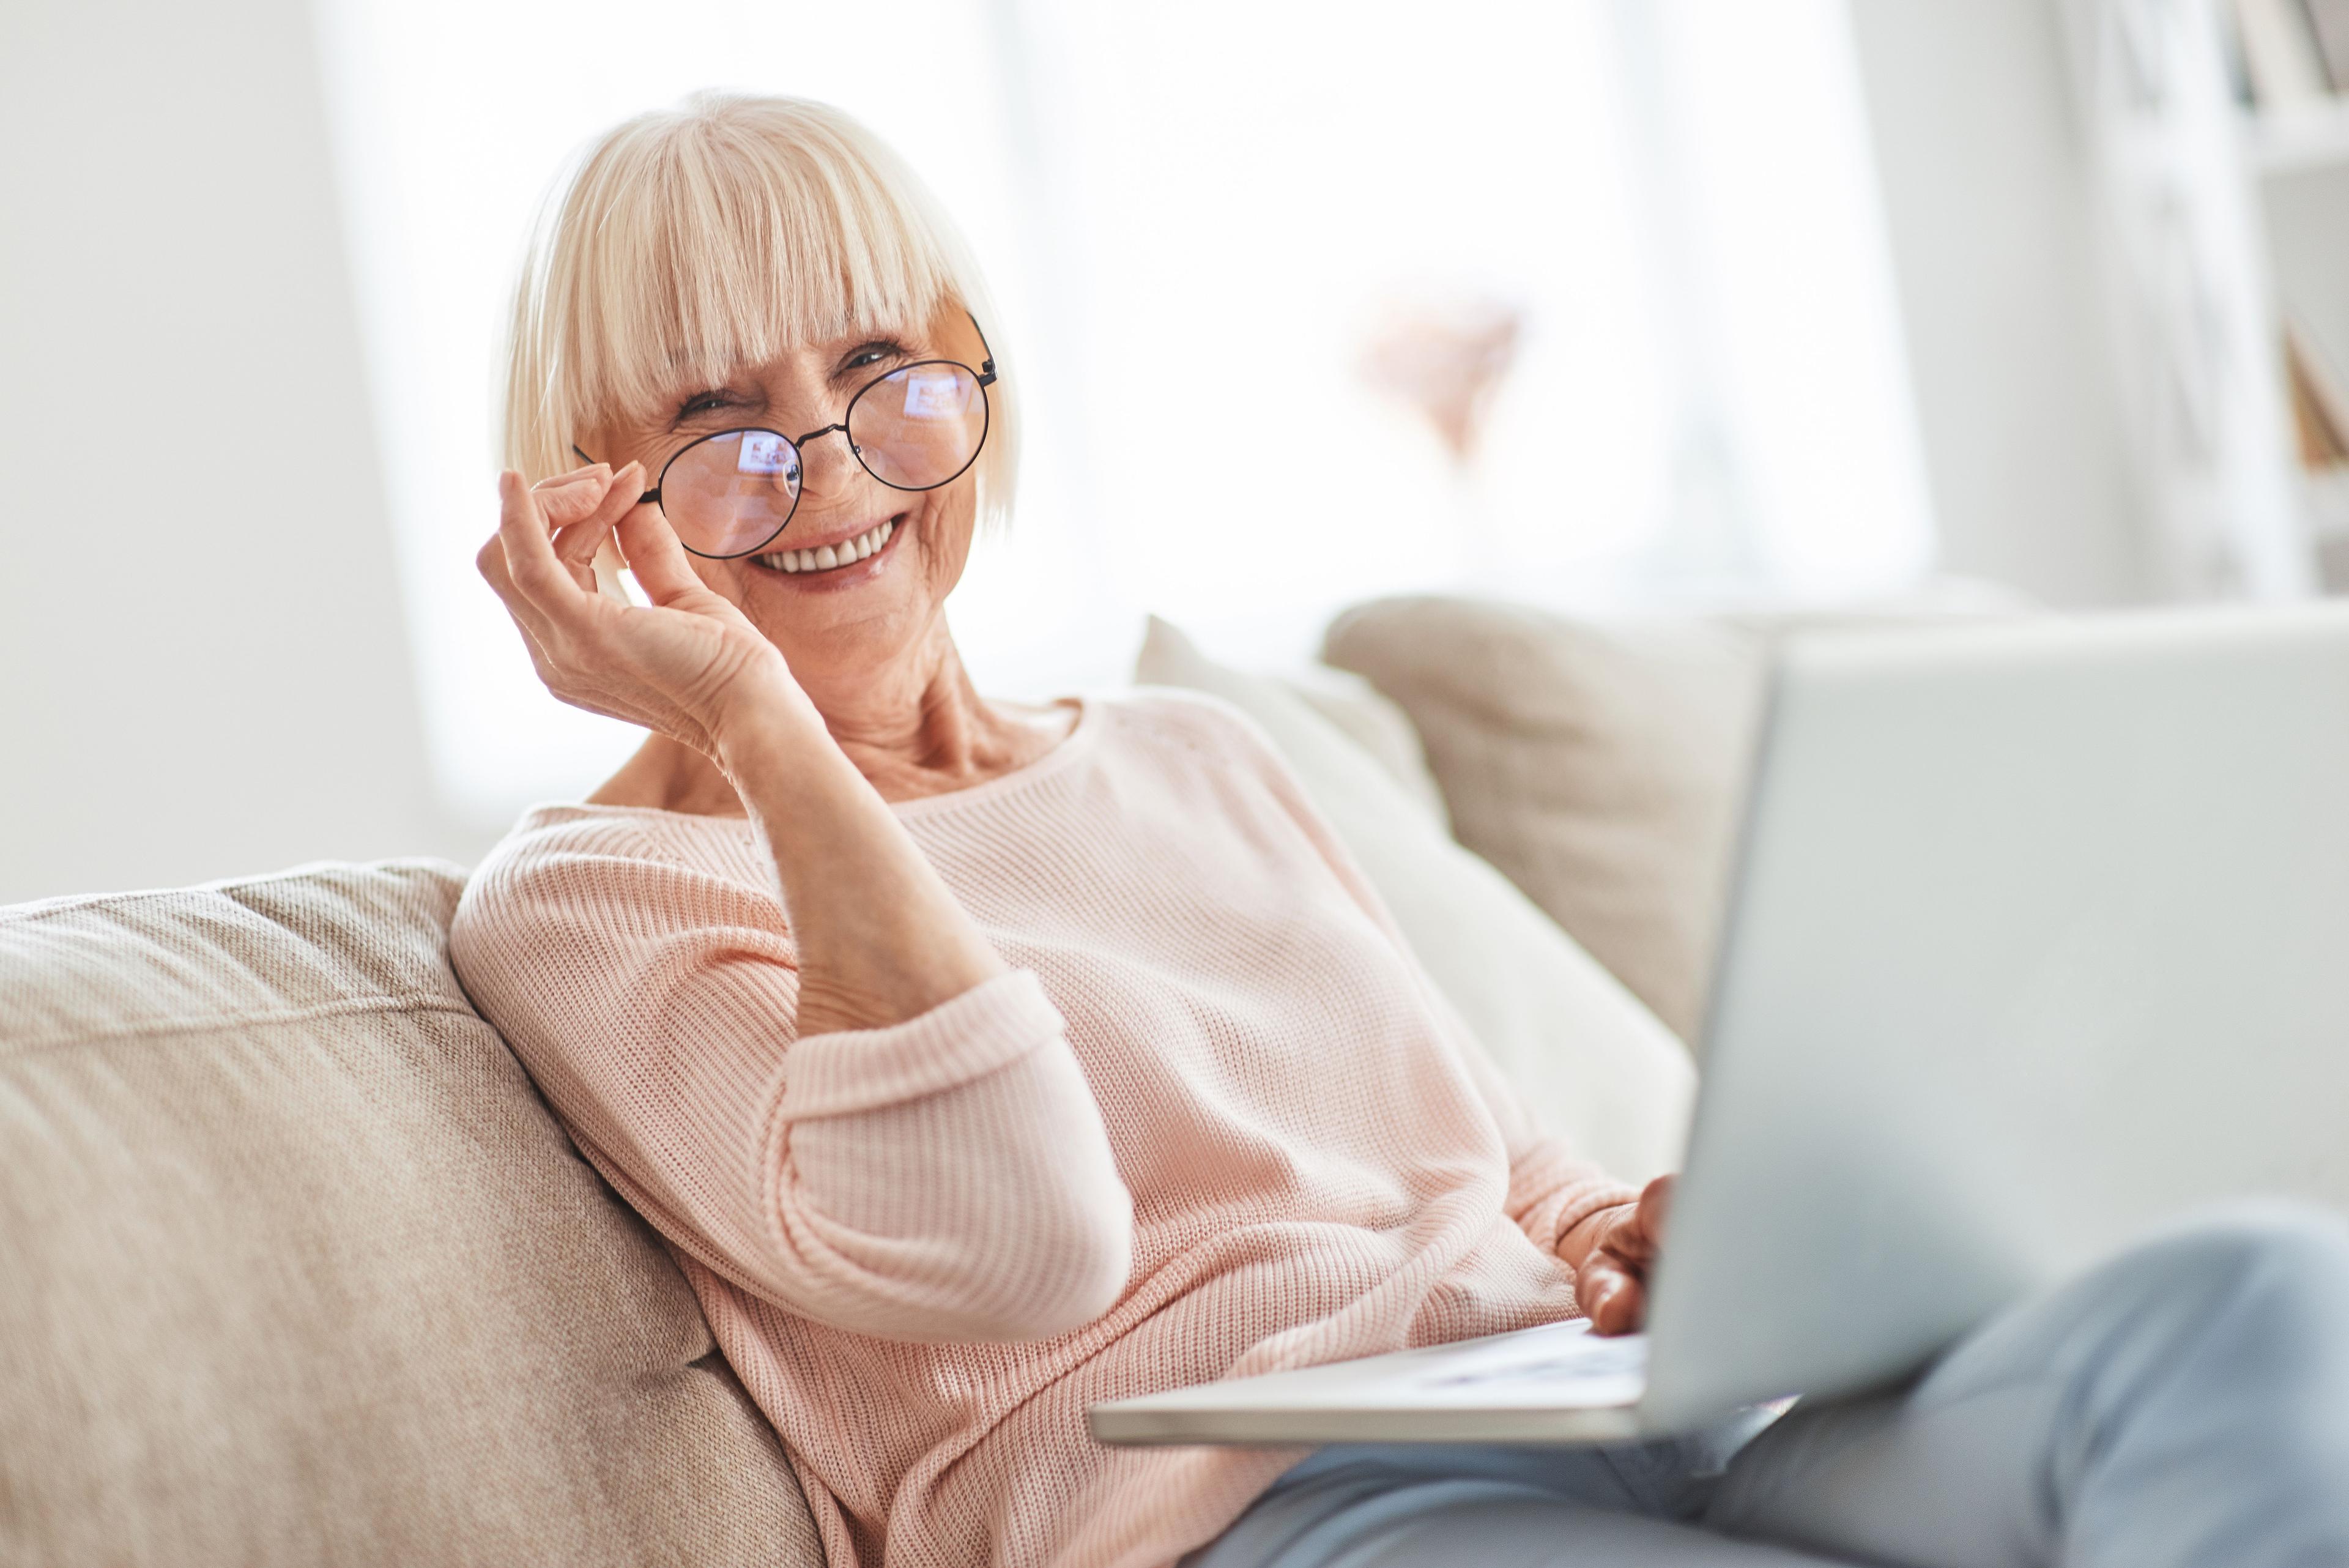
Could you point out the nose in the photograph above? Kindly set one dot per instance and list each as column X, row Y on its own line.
column 828, row 465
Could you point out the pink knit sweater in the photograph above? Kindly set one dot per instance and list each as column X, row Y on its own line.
column 1218, row 1122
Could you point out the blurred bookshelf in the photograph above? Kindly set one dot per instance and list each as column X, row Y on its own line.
column 2173, row 142
column 2291, row 65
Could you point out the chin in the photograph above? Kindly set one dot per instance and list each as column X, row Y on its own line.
column 857, row 617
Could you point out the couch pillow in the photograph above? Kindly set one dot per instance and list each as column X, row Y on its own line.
column 1373, row 723
column 1601, row 765
column 296, row 1268
column 1596, row 1065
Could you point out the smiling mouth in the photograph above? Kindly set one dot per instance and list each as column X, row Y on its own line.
column 832, row 558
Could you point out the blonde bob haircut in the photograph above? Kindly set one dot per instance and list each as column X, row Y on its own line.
column 686, row 244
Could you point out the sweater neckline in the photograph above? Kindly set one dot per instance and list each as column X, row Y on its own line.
column 1070, row 747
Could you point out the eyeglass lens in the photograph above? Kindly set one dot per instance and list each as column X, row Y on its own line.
column 914, row 428
column 917, row 428
column 733, row 492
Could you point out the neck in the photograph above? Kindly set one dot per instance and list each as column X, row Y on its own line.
column 917, row 727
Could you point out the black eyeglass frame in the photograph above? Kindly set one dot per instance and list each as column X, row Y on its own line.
column 984, row 376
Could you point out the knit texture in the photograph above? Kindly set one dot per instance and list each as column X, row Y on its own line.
column 1218, row 1122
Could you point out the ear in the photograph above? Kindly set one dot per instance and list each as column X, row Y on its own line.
column 608, row 567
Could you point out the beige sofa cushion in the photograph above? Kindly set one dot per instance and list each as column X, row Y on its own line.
column 1597, row 1067
column 295, row 1268
column 1602, row 764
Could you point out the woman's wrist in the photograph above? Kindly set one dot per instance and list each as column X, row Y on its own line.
column 765, row 720
column 788, row 769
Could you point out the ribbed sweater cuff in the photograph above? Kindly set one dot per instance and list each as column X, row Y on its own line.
column 852, row 1070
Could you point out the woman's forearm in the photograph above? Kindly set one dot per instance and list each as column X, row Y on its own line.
column 880, row 938
column 1014, row 1223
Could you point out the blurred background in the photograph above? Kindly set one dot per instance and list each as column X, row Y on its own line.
column 1628, row 306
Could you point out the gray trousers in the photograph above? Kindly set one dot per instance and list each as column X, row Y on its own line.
column 2187, row 1403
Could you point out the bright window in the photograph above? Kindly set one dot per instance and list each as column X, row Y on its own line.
column 1202, row 222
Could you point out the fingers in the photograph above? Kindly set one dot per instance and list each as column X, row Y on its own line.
column 1638, row 1237
column 568, row 497
column 554, row 481
column 658, row 562
column 1615, row 1301
column 491, row 563
column 1612, row 1284
column 576, row 541
column 579, row 508
column 1656, row 1206
column 588, row 479
column 537, row 574
column 520, row 563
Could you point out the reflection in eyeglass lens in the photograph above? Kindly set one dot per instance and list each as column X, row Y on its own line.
column 763, row 451
column 934, row 394
column 731, row 493
column 919, row 427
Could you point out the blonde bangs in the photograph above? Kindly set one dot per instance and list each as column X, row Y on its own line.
column 690, row 243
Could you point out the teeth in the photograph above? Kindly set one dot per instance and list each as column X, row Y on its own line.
column 827, row 557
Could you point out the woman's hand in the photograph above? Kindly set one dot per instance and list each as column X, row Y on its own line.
column 1612, row 1282
column 880, row 939
column 680, row 665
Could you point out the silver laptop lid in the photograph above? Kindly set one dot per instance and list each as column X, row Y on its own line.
column 2041, row 935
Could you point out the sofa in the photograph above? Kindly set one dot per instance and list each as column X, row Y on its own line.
column 295, row 1267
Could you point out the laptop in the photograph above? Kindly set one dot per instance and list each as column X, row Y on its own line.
column 2039, row 937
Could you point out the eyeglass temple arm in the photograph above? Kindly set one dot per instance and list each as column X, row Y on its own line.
column 986, row 365
column 651, row 497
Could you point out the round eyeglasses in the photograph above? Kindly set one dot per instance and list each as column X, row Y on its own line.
column 920, row 426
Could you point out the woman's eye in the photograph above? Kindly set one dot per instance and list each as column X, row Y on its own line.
column 701, row 403
column 873, row 354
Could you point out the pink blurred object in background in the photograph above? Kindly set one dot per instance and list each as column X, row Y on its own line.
column 1444, row 359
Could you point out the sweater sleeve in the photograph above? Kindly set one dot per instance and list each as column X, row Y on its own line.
column 1551, row 1190
column 947, row 1179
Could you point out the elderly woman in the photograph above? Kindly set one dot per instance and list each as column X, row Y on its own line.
column 980, row 1061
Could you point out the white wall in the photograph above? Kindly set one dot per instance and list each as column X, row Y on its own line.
column 1986, row 194
column 201, row 665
